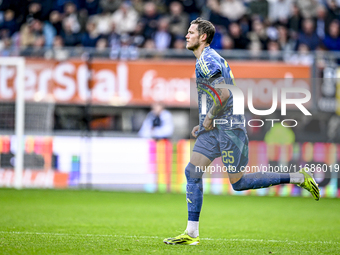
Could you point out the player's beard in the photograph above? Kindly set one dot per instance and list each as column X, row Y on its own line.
column 194, row 46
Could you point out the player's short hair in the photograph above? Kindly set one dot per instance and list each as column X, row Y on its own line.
column 205, row 27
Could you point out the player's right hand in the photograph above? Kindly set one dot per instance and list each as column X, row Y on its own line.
column 194, row 130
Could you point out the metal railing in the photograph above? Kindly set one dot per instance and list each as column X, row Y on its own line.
column 133, row 53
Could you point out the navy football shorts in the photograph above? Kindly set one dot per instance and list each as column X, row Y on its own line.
column 231, row 145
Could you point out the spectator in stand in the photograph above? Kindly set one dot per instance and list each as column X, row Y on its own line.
column 227, row 42
column 150, row 19
column 158, row 123
column 103, row 22
column 239, row 40
column 110, row 5
column 308, row 35
column 178, row 20
column 73, row 24
column 308, row 8
column 35, row 28
column 127, row 50
column 29, row 32
column 245, row 24
column 286, row 43
column 34, row 11
column 215, row 15
column 255, row 50
column 5, row 47
column 179, row 43
column 259, row 8
column 39, row 42
column 55, row 21
column 9, row 23
column 320, row 21
column 125, row 18
column 137, row 36
column 19, row 7
column 92, row 7
column 274, row 50
column 122, row 46
column 272, row 32
column 91, row 36
column 302, row 57
column 102, row 44
column 59, row 5
column 295, row 20
column 101, row 48
column 258, row 35
column 114, row 42
column 38, row 47
column 149, row 44
column 58, row 42
column 333, row 12
column 70, row 38
column 279, row 11
column 82, row 19
column 49, row 33
column 232, row 9
column 71, row 17
column 162, row 37
column 192, row 7
column 332, row 41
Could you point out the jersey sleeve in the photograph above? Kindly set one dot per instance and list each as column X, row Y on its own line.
column 210, row 69
column 209, row 66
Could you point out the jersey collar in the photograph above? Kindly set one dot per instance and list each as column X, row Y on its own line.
column 206, row 48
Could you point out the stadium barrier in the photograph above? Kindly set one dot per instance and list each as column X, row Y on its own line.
column 155, row 166
column 134, row 83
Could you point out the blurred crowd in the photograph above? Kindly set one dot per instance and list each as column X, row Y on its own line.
column 275, row 25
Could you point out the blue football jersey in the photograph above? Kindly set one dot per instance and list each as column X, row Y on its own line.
column 212, row 69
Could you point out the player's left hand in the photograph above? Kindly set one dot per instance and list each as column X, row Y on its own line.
column 208, row 123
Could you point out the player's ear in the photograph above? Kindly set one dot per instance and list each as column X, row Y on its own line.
column 204, row 37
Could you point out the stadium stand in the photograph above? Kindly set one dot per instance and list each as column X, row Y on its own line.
column 253, row 25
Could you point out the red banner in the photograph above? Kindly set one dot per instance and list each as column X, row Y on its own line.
column 140, row 82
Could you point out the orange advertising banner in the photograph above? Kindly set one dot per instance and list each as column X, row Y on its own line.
column 122, row 83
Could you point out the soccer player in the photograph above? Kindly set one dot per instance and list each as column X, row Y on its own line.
column 226, row 140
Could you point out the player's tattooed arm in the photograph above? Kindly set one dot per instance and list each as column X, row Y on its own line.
column 224, row 94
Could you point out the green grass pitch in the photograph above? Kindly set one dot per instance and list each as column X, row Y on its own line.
column 100, row 222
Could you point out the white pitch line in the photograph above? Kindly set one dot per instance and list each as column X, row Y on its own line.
column 157, row 237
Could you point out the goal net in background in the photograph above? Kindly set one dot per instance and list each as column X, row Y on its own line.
column 20, row 121
column 12, row 115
